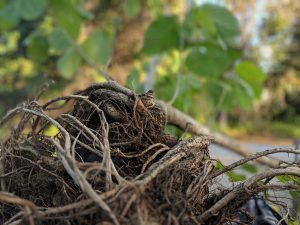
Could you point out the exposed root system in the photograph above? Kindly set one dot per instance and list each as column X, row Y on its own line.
column 109, row 162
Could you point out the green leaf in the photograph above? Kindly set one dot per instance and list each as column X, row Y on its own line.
column 240, row 98
column 245, row 86
column 227, row 94
column 249, row 168
column 162, row 35
column 155, row 7
column 251, row 74
column 67, row 15
column 189, row 82
column 288, row 179
column 235, row 177
column 206, row 21
column 3, row 3
column 219, row 166
column 226, row 23
column 132, row 7
column 58, row 40
column 30, row 9
column 190, row 86
column 51, row 131
column 295, row 194
column 164, row 87
column 207, row 60
column 98, row 47
column 9, row 17
column 235, row 54
column 133, row 78
column 69, row 63
column 84, row 14
column 133, row 81
column 37, row 48
column 216, row 91
column 196, row 19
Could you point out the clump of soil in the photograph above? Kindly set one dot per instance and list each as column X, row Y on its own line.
column 109, row 163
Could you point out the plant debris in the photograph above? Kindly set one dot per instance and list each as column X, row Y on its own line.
column 109, row 162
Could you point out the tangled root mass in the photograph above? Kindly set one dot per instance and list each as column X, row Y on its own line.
column 110, row 163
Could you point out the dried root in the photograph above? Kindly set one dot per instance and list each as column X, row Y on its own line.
column 111, row 163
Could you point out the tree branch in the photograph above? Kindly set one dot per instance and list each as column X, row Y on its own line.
column 189, row 124
column 253, row 157
column 249, row 186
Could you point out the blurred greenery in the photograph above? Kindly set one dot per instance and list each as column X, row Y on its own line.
column 45, row 40
column 202, row 63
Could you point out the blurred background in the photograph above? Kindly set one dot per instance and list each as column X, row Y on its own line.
column 233, row 65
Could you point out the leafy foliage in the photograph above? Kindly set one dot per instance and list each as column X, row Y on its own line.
column 252, row 75
column 47, row 36
column 29, row 9
column 232, row 175
column 225, row 22
column 202, row 47
column 69, row 62
column 98, row 47
column 249, row 168
column 132, row 7
column 207, row 43
column 207, row 60
column 58, row 40
column 162, row 35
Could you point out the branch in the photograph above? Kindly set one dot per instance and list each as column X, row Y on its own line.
column 29, row 207
column 189, row 124
column 253, row 157
column 248, row 186
column 178, row 152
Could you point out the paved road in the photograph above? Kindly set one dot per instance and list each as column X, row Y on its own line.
column 227, row 157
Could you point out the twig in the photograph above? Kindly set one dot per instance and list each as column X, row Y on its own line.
column 270, row 173
column 139, row 154
column 12, row 199
column 252, row 157
column 284, row 217
column 10, row 114
column 248, row 186
column 152, row 157
column 173, row 155
column 283, row 187
column 106, row 158
column 70, row 166
column 110, row 85
column 83, row 183
column 80, row 97
column 28, row 206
